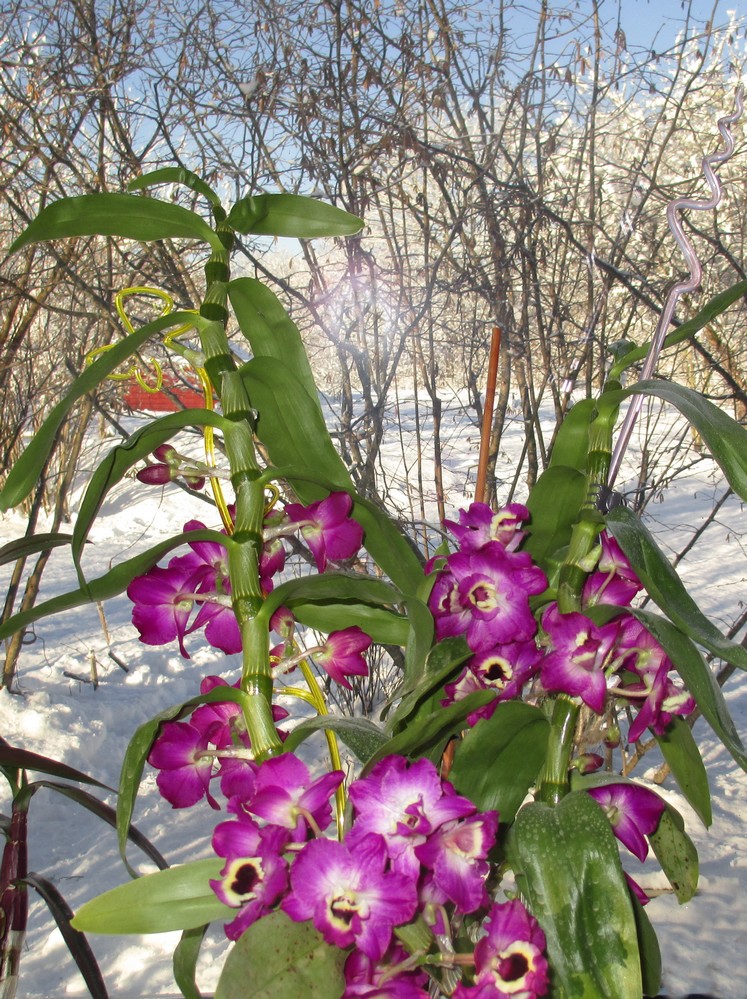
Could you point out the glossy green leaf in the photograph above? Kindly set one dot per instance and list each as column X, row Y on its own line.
column 648, row 946
column 698, row 679
column 279, row 959
column 707, row 314
column 571, row 446
column 725, row 439
column 497, row 761
column 582, row 903
column 360, row 735
column 127, row 215
column 384, row 626
column 665, row 587
column 121, row 458
column 681, row 752
column 31, row 544
column 179, row 898
column 27, row 469
column 554, row 505
column 270, row 330
column 139, row 747
column 676, row 854
column 291, row 215
column 110, row 584
column 175, row 175
column 75, row 941
column 186, row 954
column 441, row 665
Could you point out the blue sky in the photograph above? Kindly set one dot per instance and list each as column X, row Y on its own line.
column 656, row 23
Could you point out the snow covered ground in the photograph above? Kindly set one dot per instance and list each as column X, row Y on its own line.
column 58, row 713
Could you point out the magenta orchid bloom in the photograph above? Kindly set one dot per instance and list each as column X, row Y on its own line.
column 327, row 528
column 479, row 524
column 342, row 654
column 179, row 753
column 367, row 979
column 634, row 813
column 456, row 855
column 404, row 803
column 162, row 603
column 580, row 651
column 509, row 959
column 505, row 669
column 349, row 895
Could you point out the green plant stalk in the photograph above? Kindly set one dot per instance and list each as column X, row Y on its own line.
column 582, row 556
column 245, row 545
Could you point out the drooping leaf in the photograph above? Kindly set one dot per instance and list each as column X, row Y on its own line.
column 665, row 587
column 698, row 679
column 110, row 584
column 75, row 941
column 186, row 953
column 725, row 439
column 127, row 215
column 279, row 959
column 24, row 474
column 681, row 752
column 175, row 175
column 121, row 458
column 291, row 215
column 360, row 735
column 676, row 854
column 582, row 902
column 179, row 898
column 497, row 761
column 648, row 946
column 554, row 503
column 31, row 544
column 22, row 759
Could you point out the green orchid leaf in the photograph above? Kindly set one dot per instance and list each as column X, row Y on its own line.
column 725, row 439
column 360, row 735
column 279, row 959
column 121, row 459
column 583, row 904
column 137, row 752
column 27, row 469
column 290, row 215
column 186, row 954
column 676, row 853
column 720, row 303
column 179, row 898
column 31, row 544
column 422, row 632
column 22, row 759
column 682, row 753
column 441, row 665
column 497, row 761
column 554, row 504
column 111, row 584
column 291, row 427
column 648, row 946
column 698, row 679
column 570, row 448
column 665, row 587
column 175, row 175
column 427, row 734
column 270, row 330
column 75, row 941
column 385, row 627
column 126, row 215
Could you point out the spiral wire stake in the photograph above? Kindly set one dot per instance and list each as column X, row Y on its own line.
column 682, row 287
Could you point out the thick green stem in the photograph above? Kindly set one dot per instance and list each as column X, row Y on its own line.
column 553, row 783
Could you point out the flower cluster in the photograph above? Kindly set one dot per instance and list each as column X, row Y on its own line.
column 483, row 592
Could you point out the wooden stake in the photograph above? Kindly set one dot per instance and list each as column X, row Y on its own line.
column 487, row 416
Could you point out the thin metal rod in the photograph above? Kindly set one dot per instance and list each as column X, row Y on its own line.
column 681, row 287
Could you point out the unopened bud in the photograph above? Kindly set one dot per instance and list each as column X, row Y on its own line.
column 611, row 738
column 587, row 763
column 155, row 475
column 167, row 453
column 195, row 481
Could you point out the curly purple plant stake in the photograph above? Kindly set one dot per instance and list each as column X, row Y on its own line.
column 682, row 287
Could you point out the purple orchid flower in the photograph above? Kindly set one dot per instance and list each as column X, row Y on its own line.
column 349, row 895
column 479, row 524
column 327, row 528
column 579, row 653
column 634, row 812
column 184, row 771
column 509, row 959
column 285, row 795
column 255, row 874
column 342, row 654
column 456, row 855
column 505, row 669
column 163, row 600
column 404, row 803
column 367, row 979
